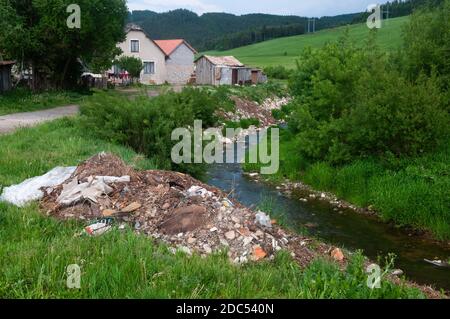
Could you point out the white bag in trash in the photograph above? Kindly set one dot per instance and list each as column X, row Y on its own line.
column 263, row 219
column 29, row 190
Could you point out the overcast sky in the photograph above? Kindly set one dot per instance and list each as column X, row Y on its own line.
column 283, row 7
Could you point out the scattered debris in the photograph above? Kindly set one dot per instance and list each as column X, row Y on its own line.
column 438, row 263
column 99, row 228
column 30, row 189
column 397, row 272
column 176, row 209
column 198, row 191
column 337, row 254
column 95, row 187
column 246, row 109
column 258, row 253
column 263, row 219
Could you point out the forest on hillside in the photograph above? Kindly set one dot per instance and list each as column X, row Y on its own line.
column 223, row 31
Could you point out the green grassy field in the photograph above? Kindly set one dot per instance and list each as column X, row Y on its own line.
column 283, row 51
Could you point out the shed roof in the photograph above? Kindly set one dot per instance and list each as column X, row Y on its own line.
column 169, row 46
column 230, row 61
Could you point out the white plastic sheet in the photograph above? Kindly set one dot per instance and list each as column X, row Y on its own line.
column 73, row 192
column 29, row 190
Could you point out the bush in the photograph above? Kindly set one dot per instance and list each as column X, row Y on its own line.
column 131, row 64
column 278, row 72
column 146, row 124
column 350, row 104
column 427, row 43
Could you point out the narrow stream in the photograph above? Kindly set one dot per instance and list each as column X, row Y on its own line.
column 347, row 229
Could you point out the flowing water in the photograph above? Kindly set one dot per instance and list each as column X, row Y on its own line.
column 346, row 228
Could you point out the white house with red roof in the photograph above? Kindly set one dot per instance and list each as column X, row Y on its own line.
column 165, row 61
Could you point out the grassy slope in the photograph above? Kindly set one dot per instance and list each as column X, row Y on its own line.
column 35, row 250
column 271, row 53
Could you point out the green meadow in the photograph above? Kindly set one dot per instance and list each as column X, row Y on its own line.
column 284, row 51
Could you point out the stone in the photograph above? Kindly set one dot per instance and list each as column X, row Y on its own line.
column 131, row 208
column 191, row 240
column 184, row 220
column 397, row 272
column 244, row 232
column 259, row 233
column 247, row 240
column 166, row 206
column 207, row 249
column 235, row 220
column 185, row 250
column 230, row 235
column 214, row 229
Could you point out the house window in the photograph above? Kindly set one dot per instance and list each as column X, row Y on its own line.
column 134, row 45
column 149, row 67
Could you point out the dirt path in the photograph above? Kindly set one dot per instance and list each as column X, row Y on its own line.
column 10, row 123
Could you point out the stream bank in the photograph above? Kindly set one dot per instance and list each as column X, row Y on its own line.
column 341, row 227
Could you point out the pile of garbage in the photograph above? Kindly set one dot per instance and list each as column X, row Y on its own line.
column 246, row 109
column 171, row 207
column 275, row 103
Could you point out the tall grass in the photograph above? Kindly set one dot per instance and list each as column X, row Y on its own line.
column 409, row 191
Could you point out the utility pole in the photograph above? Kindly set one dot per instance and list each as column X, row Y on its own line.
column 311, row 25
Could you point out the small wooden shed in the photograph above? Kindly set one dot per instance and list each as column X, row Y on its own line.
column 5, row 75
column 225, row 70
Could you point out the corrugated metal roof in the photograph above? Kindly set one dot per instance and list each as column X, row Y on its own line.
column 224, row 61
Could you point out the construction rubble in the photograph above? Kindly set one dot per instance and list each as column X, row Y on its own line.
column 246, row 109
column 174, row 208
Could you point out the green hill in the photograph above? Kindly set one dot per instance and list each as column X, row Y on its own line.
column 284, row 51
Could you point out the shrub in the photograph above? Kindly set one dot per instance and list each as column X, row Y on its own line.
column 350, row 104
column 427, row 43
column 131, row 64
column 146, row 124
column 278, row 72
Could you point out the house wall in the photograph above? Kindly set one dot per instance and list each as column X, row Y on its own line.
column 148, row 52
column 180, row 65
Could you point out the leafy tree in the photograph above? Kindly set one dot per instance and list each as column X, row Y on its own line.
column 350, row 102
column 35, row 33
column 427, row 44
column 131, row 64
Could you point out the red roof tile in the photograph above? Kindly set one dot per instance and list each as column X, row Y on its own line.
column 168, row 46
